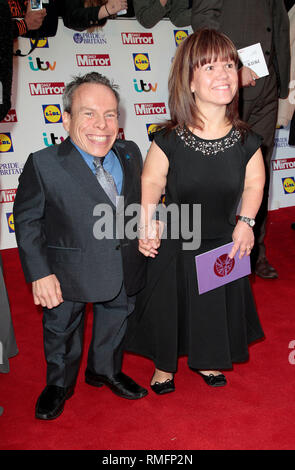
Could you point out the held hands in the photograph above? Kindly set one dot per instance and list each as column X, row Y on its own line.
column 47, row 291
column 243, row 238
column 114, row 6
column 247, row 77
column 34, row 18
column 150, row 238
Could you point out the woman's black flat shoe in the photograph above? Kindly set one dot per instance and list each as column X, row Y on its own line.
column 163, row 387
column 214, row 380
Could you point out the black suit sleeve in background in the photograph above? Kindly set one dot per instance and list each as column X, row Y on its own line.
column 206, row 14
column 6, row 42
column 76, row 16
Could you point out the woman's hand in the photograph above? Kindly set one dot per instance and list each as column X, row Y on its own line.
column 243, row 238
column 150, row 238
column 114, row 6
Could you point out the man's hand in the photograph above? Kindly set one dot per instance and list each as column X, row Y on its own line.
column 34, row 18
column 247, row 77
column 47, row 291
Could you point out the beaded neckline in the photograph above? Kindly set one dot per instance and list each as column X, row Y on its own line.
column 208, row 147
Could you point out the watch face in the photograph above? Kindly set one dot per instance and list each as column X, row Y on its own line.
column 252, row 223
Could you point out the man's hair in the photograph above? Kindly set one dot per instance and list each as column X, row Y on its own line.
column 92, row 77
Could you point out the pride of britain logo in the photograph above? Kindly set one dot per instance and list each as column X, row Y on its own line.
column 223, row 265
column 90, row 38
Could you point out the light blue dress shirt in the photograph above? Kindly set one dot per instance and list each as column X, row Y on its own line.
column 111, row 164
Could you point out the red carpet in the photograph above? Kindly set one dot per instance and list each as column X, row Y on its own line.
column 255, row 410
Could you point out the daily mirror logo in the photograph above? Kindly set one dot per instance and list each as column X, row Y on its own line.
column 46, row 88
column 93, row 60
column 10, row 117
column 137, row 38
column 7, row 195
column 146, row 109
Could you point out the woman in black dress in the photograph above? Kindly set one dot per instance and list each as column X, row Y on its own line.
column 204, row 155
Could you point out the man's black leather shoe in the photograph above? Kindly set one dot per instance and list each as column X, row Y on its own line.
column 120, row 384
column 265, row 270
column 50, row 403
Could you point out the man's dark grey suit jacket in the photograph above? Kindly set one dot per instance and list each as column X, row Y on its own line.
column 53, row 216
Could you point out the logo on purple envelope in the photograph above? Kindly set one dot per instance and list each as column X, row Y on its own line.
column 223, row 265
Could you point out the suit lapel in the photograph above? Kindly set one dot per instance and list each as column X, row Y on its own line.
column 73, row 163
column 120, row 150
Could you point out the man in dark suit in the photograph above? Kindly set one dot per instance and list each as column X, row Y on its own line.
column 64, row 251
column 248, row 22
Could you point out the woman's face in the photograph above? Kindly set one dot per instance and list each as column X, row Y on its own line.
column 215, row 83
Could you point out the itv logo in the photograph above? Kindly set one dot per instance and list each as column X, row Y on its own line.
column 41, row 65
column 52, row 140
column 143, row 86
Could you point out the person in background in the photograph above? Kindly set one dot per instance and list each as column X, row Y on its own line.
column 84, row 14
column 149, row 12
column 8, row 346
column 286, row 111
column 248, row 22
column 68, row 261
column 204, row 155
column 24, row 18
column 6, row 43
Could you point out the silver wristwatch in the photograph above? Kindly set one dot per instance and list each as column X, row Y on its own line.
column 250, row 222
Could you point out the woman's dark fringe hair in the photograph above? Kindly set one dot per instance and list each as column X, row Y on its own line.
column 200, row 48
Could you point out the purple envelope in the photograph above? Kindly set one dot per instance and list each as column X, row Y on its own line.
column 215, row 268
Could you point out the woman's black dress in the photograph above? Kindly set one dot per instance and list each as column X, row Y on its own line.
column 171, row 319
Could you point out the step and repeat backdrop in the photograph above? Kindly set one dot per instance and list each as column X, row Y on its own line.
column 136, row 59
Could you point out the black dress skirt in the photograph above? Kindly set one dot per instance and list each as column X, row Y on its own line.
column 171, row 318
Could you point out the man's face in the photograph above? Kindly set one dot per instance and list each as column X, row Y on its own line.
column 93, row 122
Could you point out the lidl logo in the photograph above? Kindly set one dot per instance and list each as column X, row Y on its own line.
column 10, row 222
column 151, row 129
column 180, row 35
column 52, row 113
column 42, row 42
column 289, row 185
column 6, row 143
column 141, row 62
